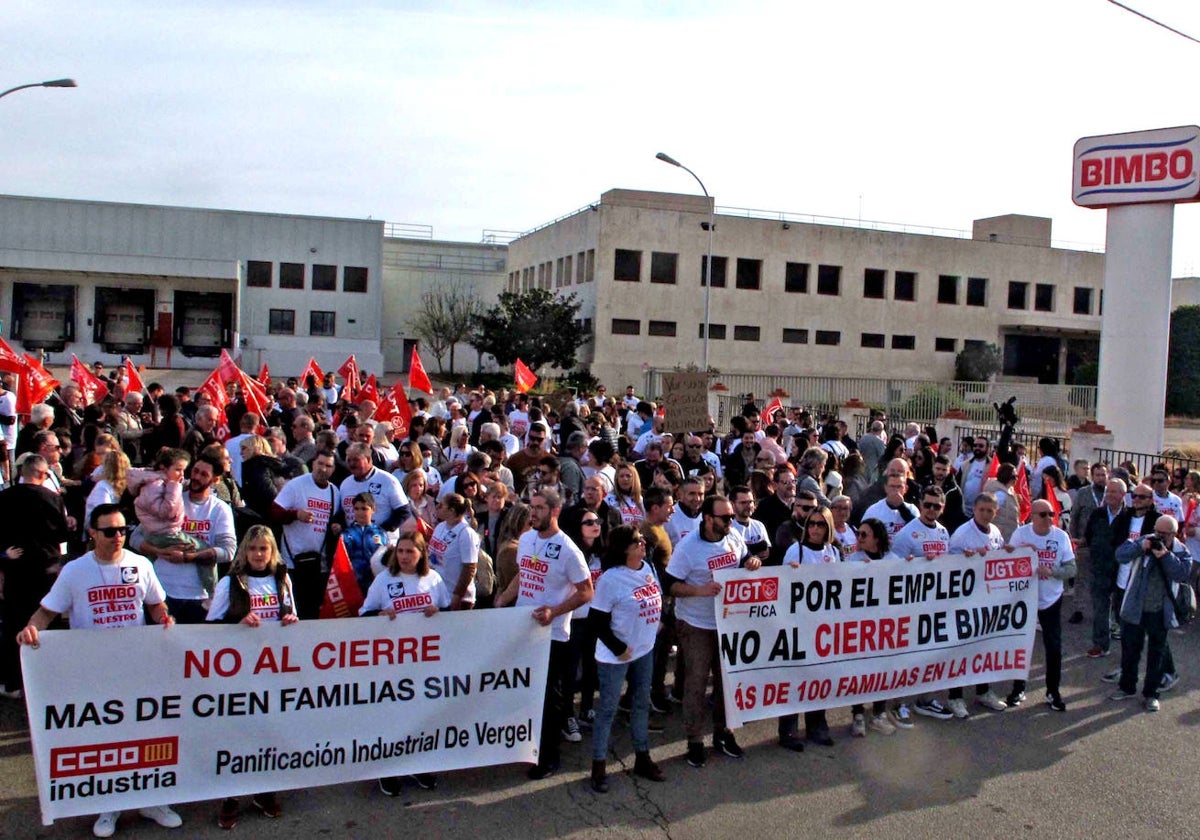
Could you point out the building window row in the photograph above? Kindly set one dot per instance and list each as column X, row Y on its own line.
column 260, row 275
column 578, row 268
column 283, row 322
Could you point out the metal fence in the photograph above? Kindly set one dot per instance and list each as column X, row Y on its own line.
column 1143, row 461
column 1044, row 409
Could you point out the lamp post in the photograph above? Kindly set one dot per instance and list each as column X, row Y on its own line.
column 51, row 83
column 666, row 158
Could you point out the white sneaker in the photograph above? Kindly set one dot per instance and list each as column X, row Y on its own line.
column 882, row 725
column 571, row 731
column 163, row 815
column 859, row 727
column 991, row 701
column 106, row 824
column 958, row 707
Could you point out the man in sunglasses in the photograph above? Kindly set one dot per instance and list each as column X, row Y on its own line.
column 1055, row 560
column 711, row 546
column 1165, row 502
column 526, row 461
column 106, row 588
column 926, row 537
column 791, row 531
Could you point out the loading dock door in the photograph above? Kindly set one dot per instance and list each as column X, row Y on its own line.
column 43, row 317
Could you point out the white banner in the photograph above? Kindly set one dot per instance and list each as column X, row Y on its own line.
column 150, row 715
column 823, row 636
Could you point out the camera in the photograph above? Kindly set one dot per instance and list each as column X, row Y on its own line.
column 1155, row 542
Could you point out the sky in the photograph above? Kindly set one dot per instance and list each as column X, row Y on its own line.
column 502, row 116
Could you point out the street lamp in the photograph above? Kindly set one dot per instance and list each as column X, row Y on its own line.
column 666, row 158
column 51, row 83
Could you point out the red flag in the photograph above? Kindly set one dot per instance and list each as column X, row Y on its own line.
column 524, row 376
column 994, row 467
column 36, row 384
column 1055, row 505
column 424, row 528
column 215, row 389
column 394, row 409
column 417, row 378
column 253, row 394
column 91, row 386
column 368, row 391
column 343, row 596
column 133, row 382
column 10, row 362
column 350, row 373
column 264, row 376
column 1021, row 488
column 771, row 409
column 313, row 369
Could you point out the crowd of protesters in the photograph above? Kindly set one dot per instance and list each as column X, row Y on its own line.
column 231, row 516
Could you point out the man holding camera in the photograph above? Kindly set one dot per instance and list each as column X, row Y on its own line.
column 1148, row 610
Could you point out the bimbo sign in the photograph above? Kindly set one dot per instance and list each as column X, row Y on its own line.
column 1137, row 168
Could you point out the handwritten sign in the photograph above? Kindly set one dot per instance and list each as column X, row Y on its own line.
column 685, row 399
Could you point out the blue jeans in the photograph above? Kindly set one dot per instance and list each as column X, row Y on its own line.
column 611, row 679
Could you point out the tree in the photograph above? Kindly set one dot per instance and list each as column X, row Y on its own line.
column 978, row 362
column 536, row 326
column 447, row 315
column 1183, row 362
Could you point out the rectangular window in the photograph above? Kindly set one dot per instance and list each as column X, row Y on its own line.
column 1043, row 297
column 749, row 275
column 906, row 285
column 662, row 267
column 1083, row 301
column 944, row 345
column 324, row 278
column 977, row 291
column 795, row 278
column 829, row 280
column 568, row 272
column 973, row 342
column 283, row 322
column 904, row 342
column 1018, row 293
column 794, row 336
column 354, row 278
column 719, row 267
column 717, row 332
column 591, row 265
column 321, row 323
column 947, row 288
column 874, row 281
column 663, row 329
column 291, row 275
column 829, row 338
column 580, row 263
column 258, row 274
column 627, row 266
column 558, row 273
column 874, row 340
column 745, row 333
column 626, row 326
column 1100, row 305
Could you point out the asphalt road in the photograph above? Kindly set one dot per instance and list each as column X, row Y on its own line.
column 1101, row 769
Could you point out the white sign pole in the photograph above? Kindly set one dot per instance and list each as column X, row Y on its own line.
column 1135, row 328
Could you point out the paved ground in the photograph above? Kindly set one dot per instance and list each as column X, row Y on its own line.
column 1102, row 769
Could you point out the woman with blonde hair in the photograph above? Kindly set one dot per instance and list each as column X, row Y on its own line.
column 256, row 590
column 111, row 484
column 626, row 496
column 419, row 501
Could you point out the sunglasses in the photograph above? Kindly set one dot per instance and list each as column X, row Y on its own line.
column 863, row 534
column 1044, row 514
column 112, row 530
column 726, row 518
column 932, row 505
column 590, row 522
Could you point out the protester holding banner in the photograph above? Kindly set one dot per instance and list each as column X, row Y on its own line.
column 977, row 537
column 553, row 578
column 256, row 590
column 625, row 617
column 873, row 546
column 1055, row 563
column 689, row 578
column 106, row 588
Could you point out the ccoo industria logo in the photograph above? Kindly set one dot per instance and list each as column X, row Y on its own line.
column 1137, row 168
column 115, row 757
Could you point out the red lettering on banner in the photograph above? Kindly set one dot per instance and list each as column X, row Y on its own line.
column 751, row 590
column 863, row 636
column 1005, row 569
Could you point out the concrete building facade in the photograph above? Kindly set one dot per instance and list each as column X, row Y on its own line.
column 104, row 280
column 796, row 297
column 413, row 267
